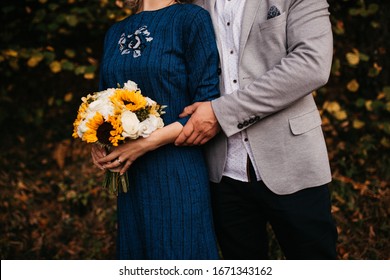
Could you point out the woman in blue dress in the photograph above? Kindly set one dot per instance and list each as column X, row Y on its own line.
column 169, row 50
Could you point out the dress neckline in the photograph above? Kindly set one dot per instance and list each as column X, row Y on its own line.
column 155, row 11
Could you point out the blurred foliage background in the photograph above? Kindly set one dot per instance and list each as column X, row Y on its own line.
column 52, row 206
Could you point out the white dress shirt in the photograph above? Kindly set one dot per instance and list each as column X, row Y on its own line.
column 230, row 14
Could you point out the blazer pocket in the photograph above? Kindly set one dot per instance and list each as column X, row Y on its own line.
column 276, row 21
column 305, row 123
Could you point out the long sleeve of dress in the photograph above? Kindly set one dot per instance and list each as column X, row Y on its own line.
column 201, row 59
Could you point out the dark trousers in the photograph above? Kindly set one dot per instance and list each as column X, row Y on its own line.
column 302, row 221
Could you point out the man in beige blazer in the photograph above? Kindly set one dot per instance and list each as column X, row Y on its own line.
column 267, row 156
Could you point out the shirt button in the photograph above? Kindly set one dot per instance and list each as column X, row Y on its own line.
column 228, row 24
column 246, row 139
column 235, row 81
column 231, row 52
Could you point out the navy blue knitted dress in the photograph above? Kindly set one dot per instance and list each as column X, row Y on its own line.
column 172, row 55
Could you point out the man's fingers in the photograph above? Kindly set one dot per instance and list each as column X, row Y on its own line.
column 205, row 140
column 186, row 112
column 204, row 137
column 187, row 131
column 180, row 139
column 191, row 140
column 189, row 110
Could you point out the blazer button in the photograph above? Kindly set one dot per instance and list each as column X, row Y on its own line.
column 240, row 126
column 246, row 123
column 219, row 71
column 252, row 120
column 257, row 118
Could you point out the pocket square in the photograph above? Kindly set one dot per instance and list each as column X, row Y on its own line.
column 273, row 12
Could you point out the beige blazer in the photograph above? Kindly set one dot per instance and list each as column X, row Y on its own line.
column 282, row 61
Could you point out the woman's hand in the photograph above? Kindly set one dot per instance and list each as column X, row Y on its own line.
column 98, row 152
column 121, row 157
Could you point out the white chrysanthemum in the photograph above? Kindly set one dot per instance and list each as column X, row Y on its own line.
column 82, row 128
column 149, row 125
column 150, row 102
column 130, row 85
column 130, row 124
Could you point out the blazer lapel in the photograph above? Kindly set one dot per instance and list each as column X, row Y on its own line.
column 250, row 10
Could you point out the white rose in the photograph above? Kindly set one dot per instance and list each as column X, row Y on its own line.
column 160, row 122
column 105, row 94
column 102, row 106
column 130, row 85
column 130, row 124
column 149, row 125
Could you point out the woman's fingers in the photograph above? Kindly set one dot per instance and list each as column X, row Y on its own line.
column 97, row 152
column 125, row 167
column 110, row 158
column 114, row 164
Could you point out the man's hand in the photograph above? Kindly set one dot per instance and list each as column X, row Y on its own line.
column 201, row 127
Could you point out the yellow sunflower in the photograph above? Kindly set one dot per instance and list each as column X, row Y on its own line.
column 90, row 136
column 104, row 132
column 133, row 100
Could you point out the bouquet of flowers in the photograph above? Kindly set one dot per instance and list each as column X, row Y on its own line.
column 113, row 116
